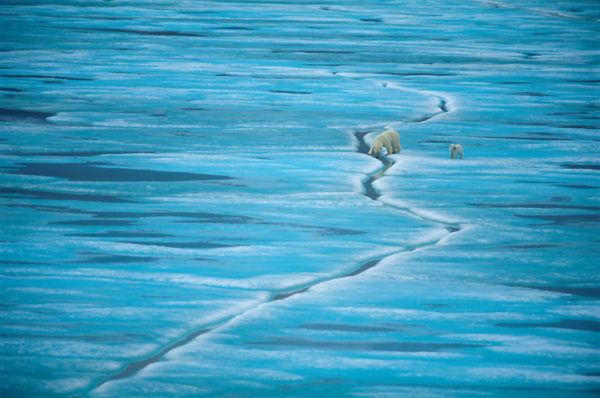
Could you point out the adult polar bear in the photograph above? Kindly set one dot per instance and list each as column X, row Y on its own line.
column 388, row 139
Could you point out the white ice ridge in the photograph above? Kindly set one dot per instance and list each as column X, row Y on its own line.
column 272, row 282
column 544, row 11
column 444, row 103
column 424, row 214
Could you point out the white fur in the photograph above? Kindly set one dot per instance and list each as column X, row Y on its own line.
column 388, row 139
column 456, row 150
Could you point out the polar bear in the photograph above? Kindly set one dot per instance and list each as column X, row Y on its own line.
column 456, row 150
column 388, row 139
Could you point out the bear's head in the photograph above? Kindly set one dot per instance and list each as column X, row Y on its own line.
column 376, row 149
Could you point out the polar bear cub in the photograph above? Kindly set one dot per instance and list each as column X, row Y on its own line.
column 456, row 150
column 388, row 139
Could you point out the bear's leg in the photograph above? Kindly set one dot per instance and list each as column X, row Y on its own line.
column 389, row 149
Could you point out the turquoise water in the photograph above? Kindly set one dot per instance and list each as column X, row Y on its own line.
column 187, row 208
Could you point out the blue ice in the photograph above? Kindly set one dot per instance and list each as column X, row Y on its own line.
column 187, row 208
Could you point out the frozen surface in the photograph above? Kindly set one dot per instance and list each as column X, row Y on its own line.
column 187, row 209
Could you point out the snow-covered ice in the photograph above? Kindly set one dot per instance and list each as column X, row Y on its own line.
column 187, row 208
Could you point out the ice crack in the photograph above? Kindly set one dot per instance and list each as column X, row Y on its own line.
column 369, row 191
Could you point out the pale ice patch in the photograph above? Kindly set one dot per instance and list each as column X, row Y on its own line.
column 50, row 291
column 437, row 216
column 259, row 283
column 541, row 10
column 158, row 249
column 427, row 238
column 229, row 310
column 47, row 348
column 68, row 384
column 408, row 314
column 388, row 313
column 151, row 124
column 211, row 347
column 153, row 388
column 70, row 118
column 498, row 293
column 533, row 345
column 267, row 202
column 294, row 71
column 591, row 310
column 528, row 374
column 189, row 367
column 264, row 282
column 394, row 392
